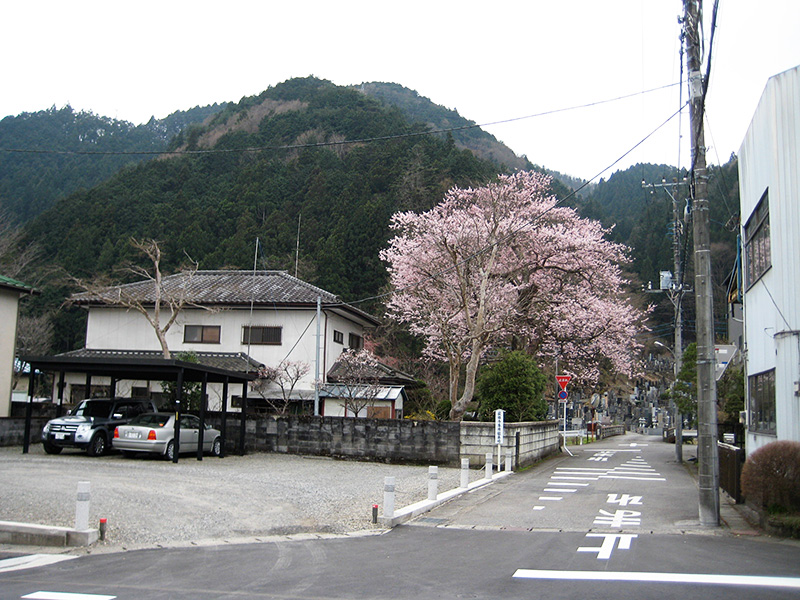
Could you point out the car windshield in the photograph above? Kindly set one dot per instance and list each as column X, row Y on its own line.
column 92, row 408
column 150, row 420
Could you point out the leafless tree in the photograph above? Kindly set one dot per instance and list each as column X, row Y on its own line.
column 166, row 304
column 358, row 380
column 285, row 377
column 15, row 254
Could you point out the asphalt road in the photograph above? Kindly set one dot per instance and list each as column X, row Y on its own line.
column 631, row 532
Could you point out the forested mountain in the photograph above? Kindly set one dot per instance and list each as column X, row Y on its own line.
column 51, row 153
column 297, row 176
column 281, row 167
column 419, row 109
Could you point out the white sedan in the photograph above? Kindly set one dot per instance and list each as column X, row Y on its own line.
column 155, row 433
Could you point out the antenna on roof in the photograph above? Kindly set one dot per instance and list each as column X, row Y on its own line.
column 252, row 300
column 297, row 247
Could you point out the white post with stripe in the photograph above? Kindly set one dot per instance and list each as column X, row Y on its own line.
column 82, row 506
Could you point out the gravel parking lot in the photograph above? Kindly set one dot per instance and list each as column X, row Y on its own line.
column 149, row 502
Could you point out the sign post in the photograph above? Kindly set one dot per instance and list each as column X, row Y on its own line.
column 563, row 380
column 499, row 432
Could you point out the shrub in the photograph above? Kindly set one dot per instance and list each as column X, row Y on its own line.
column 771, row 476
column 514, row 384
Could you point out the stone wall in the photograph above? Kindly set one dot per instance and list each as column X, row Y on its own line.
column 12, row 430
column 386, row 440
column 389, row 440
column 528, row 442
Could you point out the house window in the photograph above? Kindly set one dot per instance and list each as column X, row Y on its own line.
column 355, row 342
column 338, row 337
column 762, row 402
column 201, row 334
column 262, row 335
column 757, row 242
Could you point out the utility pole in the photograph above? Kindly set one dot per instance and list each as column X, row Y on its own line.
column 707, row 453
column 675, row 294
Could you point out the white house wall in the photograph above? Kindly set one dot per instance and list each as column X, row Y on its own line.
column 115, row 329
column 769, row 159
column 9, row 308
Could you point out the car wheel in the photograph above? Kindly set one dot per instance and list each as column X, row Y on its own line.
column 98, row 445
column 216, row 447
column 170, row 452
column 52, row 449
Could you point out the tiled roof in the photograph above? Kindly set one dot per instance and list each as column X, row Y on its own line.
column 7, row 282
column 218, row 287
column 229, row 361
column 382, row 373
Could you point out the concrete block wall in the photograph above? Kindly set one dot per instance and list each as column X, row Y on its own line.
column 12, row 430
column 390, row 440
column 528, row 442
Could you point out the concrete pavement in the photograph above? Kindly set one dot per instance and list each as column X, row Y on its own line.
column 576, row 493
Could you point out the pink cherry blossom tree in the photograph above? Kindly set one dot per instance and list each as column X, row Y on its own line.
column 504, row 262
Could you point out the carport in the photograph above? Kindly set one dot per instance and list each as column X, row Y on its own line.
column 121, row 365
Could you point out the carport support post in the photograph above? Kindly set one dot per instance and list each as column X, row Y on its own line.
column 61, row 385
column 243, row 424
column 26, row 438
column 224, row 432
column 178, row 398
column 203, row 401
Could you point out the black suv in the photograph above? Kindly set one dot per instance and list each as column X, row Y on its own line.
column 90, row 425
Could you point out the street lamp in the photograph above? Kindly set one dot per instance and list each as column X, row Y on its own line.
column 663, row 345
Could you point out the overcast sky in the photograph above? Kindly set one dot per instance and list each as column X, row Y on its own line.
column 492, row 61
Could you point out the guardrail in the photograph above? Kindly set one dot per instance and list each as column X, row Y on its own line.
column 574, row 433
column 605, row 431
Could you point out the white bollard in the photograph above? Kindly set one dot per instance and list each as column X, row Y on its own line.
column 509, row 459
column 433, row 482
column 489, row 466
column 464, row 472
column 388, row 497
column 82, row 506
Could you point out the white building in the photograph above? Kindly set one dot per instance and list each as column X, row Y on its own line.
column 10, row 293
column 233, row 320
column 769, row 187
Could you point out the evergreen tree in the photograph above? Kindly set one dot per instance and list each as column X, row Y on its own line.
column 514, row 384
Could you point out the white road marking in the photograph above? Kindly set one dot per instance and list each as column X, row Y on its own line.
column 566, row 491
column 634, row 478
column 691, row 578
column 609, row 543
column 551, row 498
column 538, row 508
column 65, row 596
column 579, row 469
column 572, row 484
column 618, row 519
column 624, row 499
column 30, row 561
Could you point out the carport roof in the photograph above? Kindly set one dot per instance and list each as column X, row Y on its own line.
column 150, row 366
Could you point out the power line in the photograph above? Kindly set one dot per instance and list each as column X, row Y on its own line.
column 396, row 136
column 529, row 223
